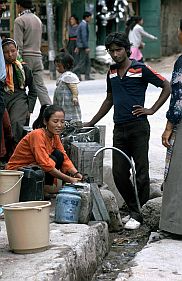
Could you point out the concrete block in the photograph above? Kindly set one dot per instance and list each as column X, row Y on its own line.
column 86, row 202
column 113, row 210
column 82, row 156
column 74, row 254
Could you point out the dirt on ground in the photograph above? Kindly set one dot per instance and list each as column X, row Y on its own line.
column 124, row 245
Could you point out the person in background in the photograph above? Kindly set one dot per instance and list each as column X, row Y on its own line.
column 127, row 82
column 135, row 33
column 7, row 141
column 19, row 104
column 28, row 35
column 72, row 29
column 171, row 212
column 2, row 74
column 66, row 92
column 43, row 147
column 82, row 49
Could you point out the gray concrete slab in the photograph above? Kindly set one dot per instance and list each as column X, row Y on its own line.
column 74, row 254
column 158, row 261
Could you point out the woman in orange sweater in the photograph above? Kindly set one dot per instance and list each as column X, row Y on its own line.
column 43, row 147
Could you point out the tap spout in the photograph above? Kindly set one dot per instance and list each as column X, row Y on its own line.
column 131, row 164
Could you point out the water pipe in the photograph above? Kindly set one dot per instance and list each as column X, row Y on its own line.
column 132, row 167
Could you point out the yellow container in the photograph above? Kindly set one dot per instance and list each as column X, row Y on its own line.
column 27, row 225
column 10, row 184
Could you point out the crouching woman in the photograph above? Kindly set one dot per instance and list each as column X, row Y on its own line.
column 43, row 147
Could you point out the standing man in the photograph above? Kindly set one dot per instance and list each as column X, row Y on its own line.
column 28, row 35
column 83, row 66
column 2, row 74
column 127, row 82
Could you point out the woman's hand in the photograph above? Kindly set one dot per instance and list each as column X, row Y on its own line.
column 165, row 137
column 167, row 134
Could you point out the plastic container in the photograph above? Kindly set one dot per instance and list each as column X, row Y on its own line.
column 68, row 203
column 27, row 225
column 32, row 185
column 10, row 183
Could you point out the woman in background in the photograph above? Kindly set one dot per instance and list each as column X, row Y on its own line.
column 135, row 34
column 73, row 26
column 18, row 102
column 171, row 211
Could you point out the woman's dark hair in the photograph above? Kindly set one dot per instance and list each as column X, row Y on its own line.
column 50, row 110
column 38, row 123
column 120, row 39
column 65, row 58
column 130, row 24
column 27, row 4
column 46, row 112
column 76, row 18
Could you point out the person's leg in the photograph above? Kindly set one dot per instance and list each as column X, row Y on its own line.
column 58, row 158
column 17, row 109
column 35, row 63
column 87, row 67
column 139, row 146
column 2, row 108
column 80, row 67
column 121, row 171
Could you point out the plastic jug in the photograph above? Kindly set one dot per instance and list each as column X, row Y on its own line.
column 68, row 203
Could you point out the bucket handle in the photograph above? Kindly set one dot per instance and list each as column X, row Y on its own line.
column 24, row 207
column 1, row 193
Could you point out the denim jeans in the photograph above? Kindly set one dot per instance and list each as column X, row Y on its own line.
column 133, row 139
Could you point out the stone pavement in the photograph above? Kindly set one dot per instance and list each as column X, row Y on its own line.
column 158, row 261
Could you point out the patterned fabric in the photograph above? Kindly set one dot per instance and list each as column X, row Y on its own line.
column 64, row 97
column 20, row 73
column 174, row 114
column 169, row 153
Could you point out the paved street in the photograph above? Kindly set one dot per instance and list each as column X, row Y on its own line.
column 91, row 95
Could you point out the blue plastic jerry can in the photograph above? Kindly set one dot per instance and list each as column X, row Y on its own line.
column 68, row 203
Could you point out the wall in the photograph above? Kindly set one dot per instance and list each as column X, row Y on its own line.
column 150, row 11
column 171, row 13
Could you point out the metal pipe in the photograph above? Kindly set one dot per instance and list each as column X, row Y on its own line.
column 130, row 162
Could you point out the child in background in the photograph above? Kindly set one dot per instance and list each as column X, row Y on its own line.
column 19, row 104
column 66, row 93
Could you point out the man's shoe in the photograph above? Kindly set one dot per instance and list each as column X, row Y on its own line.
column 132, row 224
column 125, row 219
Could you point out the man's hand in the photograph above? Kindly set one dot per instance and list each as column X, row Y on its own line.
column 140, row 110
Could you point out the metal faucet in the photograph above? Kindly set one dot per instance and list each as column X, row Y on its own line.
column 131, row 164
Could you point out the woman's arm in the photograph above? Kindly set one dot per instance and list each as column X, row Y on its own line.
column 75, row 175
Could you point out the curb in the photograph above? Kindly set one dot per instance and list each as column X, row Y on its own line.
column 75, row 252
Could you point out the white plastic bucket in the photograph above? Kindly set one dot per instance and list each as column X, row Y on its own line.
column 10, row 184
column 27, row 225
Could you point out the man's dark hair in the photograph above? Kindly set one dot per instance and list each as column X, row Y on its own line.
column 27, row 4
column 120, row 39
column 86, row 14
